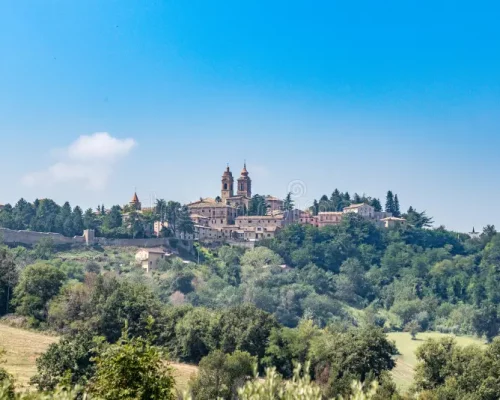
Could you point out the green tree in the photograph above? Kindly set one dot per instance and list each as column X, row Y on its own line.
column 288, row 204
column 38, row 284
column 77, row 221
column 113, row 219
column 257, row 205
column 389, row 202
column 66, row 362
column 418, row 219
column 8, row 278
column 194, row 333
column 132, row 369
column 23, row 214
column 173, row 212
column 221, row 375
column 90, row 220
column 186, row 226
column 397, row 212
column 44, row 249
column 244, row 328
column 375, row 203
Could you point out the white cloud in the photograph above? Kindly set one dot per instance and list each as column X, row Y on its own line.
column 89, row 161
column 100, row 146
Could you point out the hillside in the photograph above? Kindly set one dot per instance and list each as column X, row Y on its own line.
column 23, row 347
column 406, row 362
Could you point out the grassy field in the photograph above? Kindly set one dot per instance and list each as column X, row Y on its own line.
column 406, row 362
column 23, row 347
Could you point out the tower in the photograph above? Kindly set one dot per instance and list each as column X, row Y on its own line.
column 227, row 184
column 244, row 183
column 135, row 204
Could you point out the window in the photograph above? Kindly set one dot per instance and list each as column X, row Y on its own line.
column 225, row 186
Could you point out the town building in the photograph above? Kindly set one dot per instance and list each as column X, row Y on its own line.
column 326, row 218
column 149, row 258
column 390, row 222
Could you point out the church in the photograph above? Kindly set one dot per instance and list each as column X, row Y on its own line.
column 225, row 215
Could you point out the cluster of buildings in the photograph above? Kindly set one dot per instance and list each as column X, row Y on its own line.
column 224, row 219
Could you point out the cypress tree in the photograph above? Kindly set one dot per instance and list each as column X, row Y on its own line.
column 389, row 202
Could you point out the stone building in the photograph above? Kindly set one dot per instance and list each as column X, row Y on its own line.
column 326, row 218
column 149, row 258
column 223, row 218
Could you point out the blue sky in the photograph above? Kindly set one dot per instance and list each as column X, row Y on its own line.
column 364, row 96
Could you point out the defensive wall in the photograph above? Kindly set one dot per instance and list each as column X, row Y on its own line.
column 31, row 238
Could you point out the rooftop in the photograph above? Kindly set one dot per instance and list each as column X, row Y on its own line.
column 356, row 205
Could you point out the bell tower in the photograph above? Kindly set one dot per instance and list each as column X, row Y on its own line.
column 227, row 184
column 244, row 183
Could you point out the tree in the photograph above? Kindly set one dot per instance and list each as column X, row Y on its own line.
column 8, row 278
column 6, row 381
column 173, row 214
column 63, row 220
column 221, row 375
column 23, row 214
column 161, row 210
column 486, row 321
column 38, row 284
column 396, row 211
column 44, row 248
column 136, row 224
column 185, row 224
column 67, row 361
column 89, row 219
column 389, row 202
column 113, row 220
column 418, row 219
column 194, row 335
column 245, row 328
column 7, row 217
column 77, row 221
column 288, row 204
column 132, row 369
column 375, row 203
column 257, row 205
column 413, row 327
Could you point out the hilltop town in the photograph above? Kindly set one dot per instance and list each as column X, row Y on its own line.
column 226, row 217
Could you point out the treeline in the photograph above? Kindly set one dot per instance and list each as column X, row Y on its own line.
column 47, row 216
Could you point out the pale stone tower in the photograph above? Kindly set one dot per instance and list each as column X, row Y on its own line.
column 227, row 184
column 244, row 183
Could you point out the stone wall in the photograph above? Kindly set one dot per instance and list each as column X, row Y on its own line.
column 154, row 242
column 30, row 238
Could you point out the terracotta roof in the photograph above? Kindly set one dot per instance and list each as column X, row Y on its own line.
column 356, row 205
column 254, row 217
column 201, row 204
column 393, row 219
column 135, row 199
column 272, row 198
column 155, row 251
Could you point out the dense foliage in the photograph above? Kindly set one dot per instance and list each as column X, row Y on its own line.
column 45, row 215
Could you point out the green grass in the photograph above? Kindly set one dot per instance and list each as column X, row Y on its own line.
column 406, row 362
